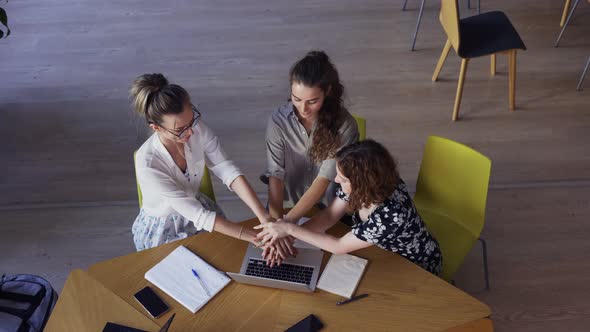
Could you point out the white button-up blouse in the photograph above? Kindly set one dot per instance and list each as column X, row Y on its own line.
column 166, row 189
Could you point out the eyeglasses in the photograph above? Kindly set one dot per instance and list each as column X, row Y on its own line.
column 181, row 133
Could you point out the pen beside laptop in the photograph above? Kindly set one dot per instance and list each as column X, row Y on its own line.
column 201, row 282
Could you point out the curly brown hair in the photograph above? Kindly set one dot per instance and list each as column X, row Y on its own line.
column 316, row 70
column 371, row 170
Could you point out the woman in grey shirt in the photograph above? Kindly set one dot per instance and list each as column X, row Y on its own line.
column 303, row 136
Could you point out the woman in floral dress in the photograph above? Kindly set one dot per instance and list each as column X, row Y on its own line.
column 385, row 215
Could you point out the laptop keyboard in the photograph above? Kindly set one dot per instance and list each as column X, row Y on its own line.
column 286, row 272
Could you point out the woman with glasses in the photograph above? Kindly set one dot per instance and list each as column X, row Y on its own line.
column 170, row 165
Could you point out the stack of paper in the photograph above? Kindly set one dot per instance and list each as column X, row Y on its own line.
column 342, row 274
column 174, row 276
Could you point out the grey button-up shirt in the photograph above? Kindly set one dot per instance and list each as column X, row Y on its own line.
column 287, row 151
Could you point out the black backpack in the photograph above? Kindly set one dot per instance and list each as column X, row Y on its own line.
column 26, row 301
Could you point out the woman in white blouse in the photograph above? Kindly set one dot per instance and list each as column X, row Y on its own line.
column 169, row 168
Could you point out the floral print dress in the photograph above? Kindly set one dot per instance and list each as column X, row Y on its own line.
column 151, row 231
column 395, row 225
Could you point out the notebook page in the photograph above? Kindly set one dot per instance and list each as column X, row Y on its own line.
column 174, row 276
column 342, row 274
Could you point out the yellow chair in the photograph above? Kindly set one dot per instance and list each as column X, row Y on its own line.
column 362, row 127
column 451, row 194
column 475, row 36
column 206, row 186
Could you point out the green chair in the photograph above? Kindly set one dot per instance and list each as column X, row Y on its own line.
column 362, row 126
column 206, row 186
column 451, row 194
column 139, row 195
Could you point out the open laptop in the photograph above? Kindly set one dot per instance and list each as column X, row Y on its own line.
column 295, row 273
column 112, row 327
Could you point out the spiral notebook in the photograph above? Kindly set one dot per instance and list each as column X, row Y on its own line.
column 174, row 276
column 342, row 274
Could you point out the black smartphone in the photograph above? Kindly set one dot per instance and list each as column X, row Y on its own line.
column 308, row 324
column 151, row 302
column 112, row 327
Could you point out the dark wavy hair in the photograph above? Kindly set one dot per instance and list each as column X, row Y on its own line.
column 152, row 96
column 372, row 172
column 316, row 70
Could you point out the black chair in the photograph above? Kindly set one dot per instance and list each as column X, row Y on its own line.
column 485, row 34
column 420, row 18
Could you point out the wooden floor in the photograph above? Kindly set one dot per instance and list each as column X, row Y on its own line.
column 67, row 188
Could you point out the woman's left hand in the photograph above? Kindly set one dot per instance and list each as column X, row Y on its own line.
column 272, row 231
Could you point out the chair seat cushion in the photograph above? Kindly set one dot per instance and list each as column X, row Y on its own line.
column 486, row 34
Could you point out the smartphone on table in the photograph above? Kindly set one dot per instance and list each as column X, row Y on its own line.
column 151, row 302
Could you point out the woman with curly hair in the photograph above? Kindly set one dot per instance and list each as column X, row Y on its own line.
column 385, row 216
column 302, row 137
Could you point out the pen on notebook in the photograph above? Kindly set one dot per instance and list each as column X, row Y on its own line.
column 354, row 298
column 201, row 282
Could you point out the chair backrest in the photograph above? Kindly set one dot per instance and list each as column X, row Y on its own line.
column 449, row 18
column 453, row 181
column 451, row 195
column 455, row 241
column 139, row 195
column 362, row 127
column 206, row 186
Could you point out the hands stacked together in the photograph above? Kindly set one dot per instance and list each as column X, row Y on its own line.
column 275, row 240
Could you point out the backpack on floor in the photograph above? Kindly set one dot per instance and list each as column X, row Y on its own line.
column 26, row 302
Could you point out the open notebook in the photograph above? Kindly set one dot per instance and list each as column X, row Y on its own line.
column 174, row 276
column 342, row 274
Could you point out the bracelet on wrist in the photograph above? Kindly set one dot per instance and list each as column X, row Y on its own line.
column 241, row 230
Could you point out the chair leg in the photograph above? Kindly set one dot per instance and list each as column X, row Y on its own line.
column 418, row 24
column 484, row 250
column 468, row 4
column 567, row 21
column 459, row 89
column 493, row 64
column 441, row 60
column 406, row 2
column 511, row 79
column 579, row 87
column 566, row 8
